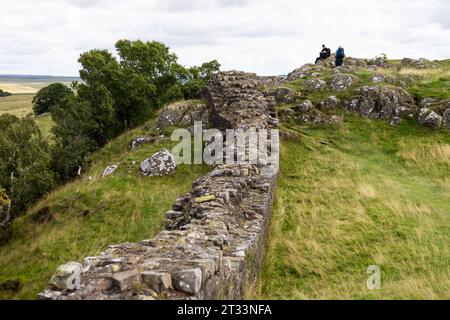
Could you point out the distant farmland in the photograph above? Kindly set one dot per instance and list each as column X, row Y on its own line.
column 29, row 84
column 23, row 89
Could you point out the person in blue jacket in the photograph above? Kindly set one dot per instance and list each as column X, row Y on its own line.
column 340, row 55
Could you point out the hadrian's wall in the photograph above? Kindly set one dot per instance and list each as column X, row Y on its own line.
column 214, row 240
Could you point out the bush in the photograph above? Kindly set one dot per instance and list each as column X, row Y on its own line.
column 4, row 93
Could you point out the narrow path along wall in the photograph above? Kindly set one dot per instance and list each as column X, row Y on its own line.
column 214, row 240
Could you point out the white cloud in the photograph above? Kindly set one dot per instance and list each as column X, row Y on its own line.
column 267, row 37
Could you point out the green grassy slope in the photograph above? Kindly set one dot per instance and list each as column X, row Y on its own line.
column 362, row 194
column 90, row 215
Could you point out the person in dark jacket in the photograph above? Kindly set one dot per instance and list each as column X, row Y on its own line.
column 324, row 54
column 340, row 55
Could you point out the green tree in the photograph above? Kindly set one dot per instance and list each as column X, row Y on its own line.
column 24, row 162
column 118, row 93
column 4, row 93
column 50, row 97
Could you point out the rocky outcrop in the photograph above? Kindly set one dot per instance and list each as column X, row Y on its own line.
column 305, row 71
column 418, row 64
column 214, row 240
column 306, row 113
column 161, row 163
column 381, row 102
column 285, row 95
column 183, row 114
column 342, row 82
column 316, row 84
column 349, row 61
column 5, row 216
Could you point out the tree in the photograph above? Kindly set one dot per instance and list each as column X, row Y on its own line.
column 4, row 93
column 24, row 162
column 195, row 78
column 50, row 97
column 117, row 94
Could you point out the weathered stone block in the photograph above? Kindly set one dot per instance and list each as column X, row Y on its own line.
column 189, row 281
column 126, row 280
column 158, row 281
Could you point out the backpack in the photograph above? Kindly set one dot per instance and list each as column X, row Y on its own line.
column 340, row 53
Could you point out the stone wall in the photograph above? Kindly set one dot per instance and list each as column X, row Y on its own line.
column 214, row 240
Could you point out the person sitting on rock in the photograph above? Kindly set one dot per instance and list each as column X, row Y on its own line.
column 324, row 54
column 340, row 55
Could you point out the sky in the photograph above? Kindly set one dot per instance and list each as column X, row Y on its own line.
column 46, row 37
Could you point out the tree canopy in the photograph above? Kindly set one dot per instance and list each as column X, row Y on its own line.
column 118, row 92
column 24, row 162
column 50, row 97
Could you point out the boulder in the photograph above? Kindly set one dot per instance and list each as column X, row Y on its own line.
column 109, row 170
column 316, row 84
column 380, row 102
column 140, row 141
column 446, row 119
column 160, row 164
column 183, row 114
column 331, row 103
column 285, row 95
column 305, row 107
column 341, row 82
column 5, row 217
column 430, row 118
column 67, row 276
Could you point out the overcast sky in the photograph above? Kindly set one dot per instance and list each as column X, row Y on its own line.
column 267, row 37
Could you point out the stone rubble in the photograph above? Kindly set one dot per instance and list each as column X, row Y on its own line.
column 183, row 114
column 381, row 102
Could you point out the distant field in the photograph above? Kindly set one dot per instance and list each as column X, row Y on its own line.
column 18, row 84
column 23, row 89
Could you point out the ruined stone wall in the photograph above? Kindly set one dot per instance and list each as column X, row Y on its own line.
column 214, row 240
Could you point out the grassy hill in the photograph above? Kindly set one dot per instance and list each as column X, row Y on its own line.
column 358, row 195
column 88, row 215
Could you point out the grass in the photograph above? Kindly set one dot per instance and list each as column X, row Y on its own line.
column 88, row 215
column 358, row 195
column 19, row 105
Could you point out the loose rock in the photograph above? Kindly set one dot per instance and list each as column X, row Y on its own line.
column 160, row 164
